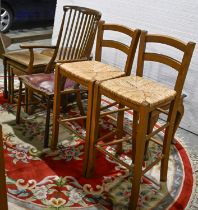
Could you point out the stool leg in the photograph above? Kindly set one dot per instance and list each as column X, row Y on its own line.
column 139, row 157
column 167, row 141
column 134, row 133
column 120, row 129
column 79, row 103
column 94, row 132
column 153, row 118
column 179, row 115
column 88, row 126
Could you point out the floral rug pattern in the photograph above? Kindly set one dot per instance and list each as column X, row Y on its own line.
column 40, row 179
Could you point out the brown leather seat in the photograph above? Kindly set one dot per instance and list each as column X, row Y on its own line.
column 45, row 82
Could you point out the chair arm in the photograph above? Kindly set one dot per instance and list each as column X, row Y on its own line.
column 31, row 51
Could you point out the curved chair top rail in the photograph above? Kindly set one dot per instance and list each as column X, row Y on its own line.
column 129, row 49
column 181, row 65
column 84, row 10
column 76, row 35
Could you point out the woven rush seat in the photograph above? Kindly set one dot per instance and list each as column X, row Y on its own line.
column 91, row 71
column 138, row 90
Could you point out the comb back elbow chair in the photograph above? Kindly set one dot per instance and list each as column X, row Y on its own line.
column 74, row 43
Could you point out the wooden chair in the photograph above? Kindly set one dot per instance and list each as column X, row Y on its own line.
column 19, row 62
column 88, row 72
column 3, row 191
column 74, row 43
column 143, row 96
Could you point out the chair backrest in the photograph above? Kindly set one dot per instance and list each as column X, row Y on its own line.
column 129, row 50
column 180, row 65
column 77, row 33
column 3, row 192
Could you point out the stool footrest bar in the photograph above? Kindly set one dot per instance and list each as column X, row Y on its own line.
column 106, row 135
column 157, row 141
column 108, row 106
column 157, row 131
column 152, row 164
column 72, row 130
column 72, row 119
column 115, row 142
column 162, row 110
column 113, row 157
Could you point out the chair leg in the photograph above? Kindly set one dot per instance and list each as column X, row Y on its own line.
column 11, row 86
column 29, row 101
column 47, row 123
column 9, row 82
column 5, row 91
column 56, row 110
column 26, row 100
column 19, row 104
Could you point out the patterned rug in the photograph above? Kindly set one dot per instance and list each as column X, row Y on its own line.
column 40, row 179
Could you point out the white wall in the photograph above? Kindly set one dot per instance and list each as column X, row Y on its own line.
column 178, row 18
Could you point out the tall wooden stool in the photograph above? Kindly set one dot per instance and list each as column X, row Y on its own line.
column 143, row 96
column 88, row 72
